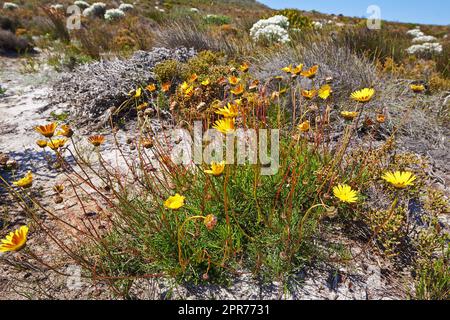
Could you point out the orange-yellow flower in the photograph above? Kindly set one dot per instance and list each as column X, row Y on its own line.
column 193, row 77
column 174, row 202
column 65, row 130
column 55, row 144
column 229, row 111
column 311, row 72
column 304, row 126
column 309, row 94
column 166, row 86
column 238, row 90
column 96, row 140
column 142, row 106
column 225, row 126
column 47, row 130
column 381, row 118
column 41, row 143
column 244, row 67
column 151, row 87
column 364, row 95
column 216, row 168
column 25, row 182
column 297, row 70
column 233, row 80
column 205, row 82
column 349, row 115
column 15, row 240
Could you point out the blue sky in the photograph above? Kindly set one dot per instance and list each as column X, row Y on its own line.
column 415, row 11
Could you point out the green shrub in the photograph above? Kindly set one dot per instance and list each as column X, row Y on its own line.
column 216, row 19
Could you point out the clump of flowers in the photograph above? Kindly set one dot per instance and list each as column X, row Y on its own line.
column 114, row 14
column 10, row 6
column 425, row 48
column 317, row 25
column 126, row 7
column 97, row 9
column 423, row 39
column 273, row 29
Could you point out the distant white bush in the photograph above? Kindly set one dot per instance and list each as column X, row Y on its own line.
column 425, row 48
column 114, row 14
column 317, row 25
column 423, row 39
column 10, row 6
column 97, row 9
column 125, row 7
column 415, row 33
column 273, row 29
column 81, row 4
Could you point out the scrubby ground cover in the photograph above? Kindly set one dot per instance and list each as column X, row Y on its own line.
column 359, row 199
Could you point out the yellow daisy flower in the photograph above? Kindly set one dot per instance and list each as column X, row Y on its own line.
column 205, row 82
column 225, row 126
column 364, row 95
column 349, row 115
column 25, row 182
column 55, row 144
column 15, row 240
column 41, row 143
column 216, row 168
column 229, row 111
column 174, row 202
column 399, row 180
column 325, row 91
column 345, row 193
column 233, row 80
column 417, row 88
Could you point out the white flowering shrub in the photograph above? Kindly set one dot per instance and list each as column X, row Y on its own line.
column 81, row 4
column 114, row 14
column 415, row 33
column 423, row 39
column 273, row 29
column 317, row 25
column 425, row 48
column 97, row 9
column 272, row 33
column 126, row 7
column 10, row 6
